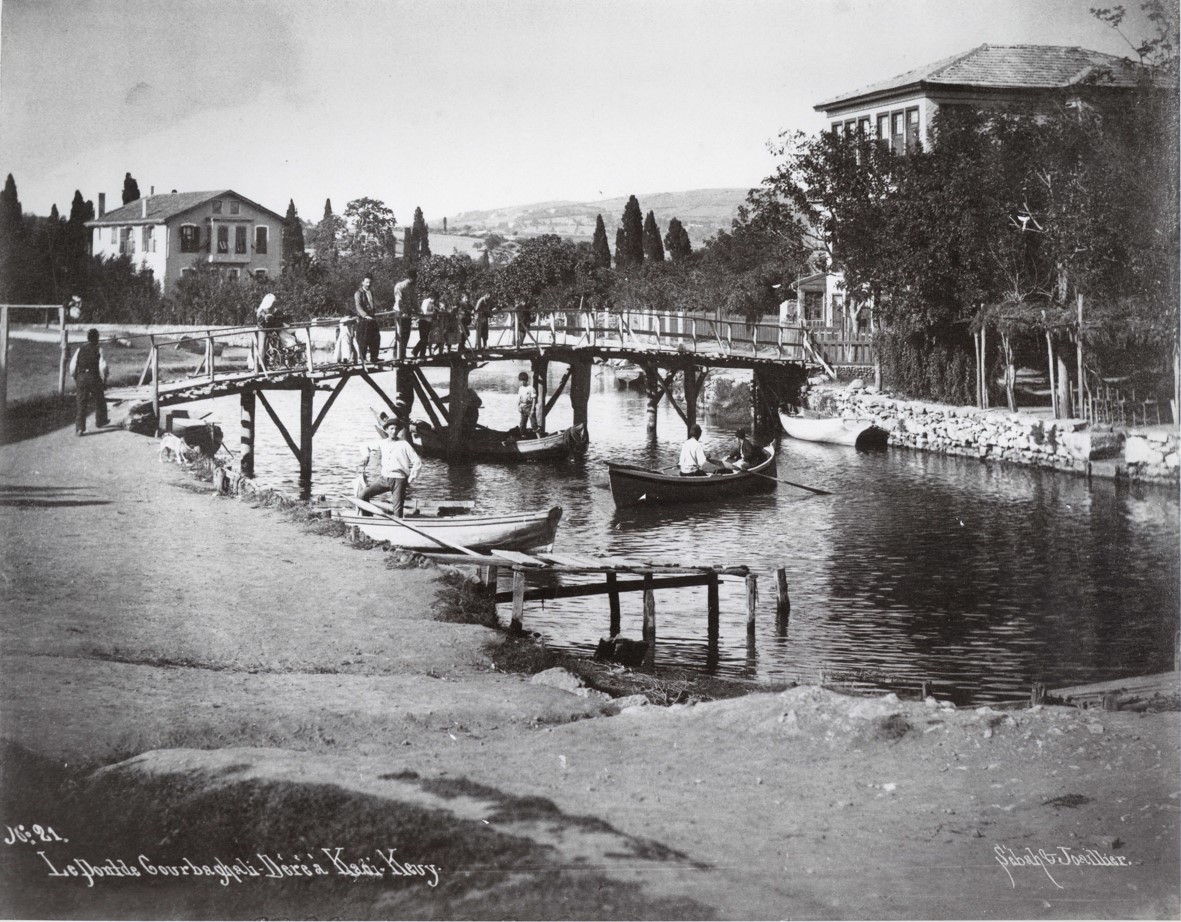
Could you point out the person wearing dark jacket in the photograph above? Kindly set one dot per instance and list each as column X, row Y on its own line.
column 90, row 371
column 368, row 332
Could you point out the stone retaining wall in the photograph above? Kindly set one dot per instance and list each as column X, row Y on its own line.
column 1144, row 454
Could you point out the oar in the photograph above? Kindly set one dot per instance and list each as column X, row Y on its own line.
column 791, row 484
column 369, row 507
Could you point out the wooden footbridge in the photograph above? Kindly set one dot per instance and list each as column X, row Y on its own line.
column 322, row 357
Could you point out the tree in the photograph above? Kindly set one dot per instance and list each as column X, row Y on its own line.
column 633, row 235
column 76, row 244
column 370, row 229
column 294, row 250
column 676, row 241
column 130, row 189
column 420, row 245
column 620, row 257
column 653, row 248
column 327, row 234
column 599, row 246
column 12, row 242
column 544, row 274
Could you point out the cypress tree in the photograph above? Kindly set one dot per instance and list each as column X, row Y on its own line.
column 620, row 258
column 633, row 234
column 653, row 248
column 677, row 241
column 420, row 244
column 600, row 249
column 12, row 238
column 294, row 256
column 325, row 234
column 130, row 189
column 77, row 242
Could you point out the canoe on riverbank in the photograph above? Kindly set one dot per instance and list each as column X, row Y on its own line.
column 495, row 445
column 514, row 531
column 637, row 486
column 809, row 426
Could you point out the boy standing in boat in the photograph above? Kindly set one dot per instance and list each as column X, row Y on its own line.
column 525, row 400
column 400, row 464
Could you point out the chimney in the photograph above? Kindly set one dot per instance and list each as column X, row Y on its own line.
column 151, row 190
column 102, row 204
column 144, row 210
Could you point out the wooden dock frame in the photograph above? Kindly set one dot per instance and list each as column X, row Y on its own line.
column 642, row 576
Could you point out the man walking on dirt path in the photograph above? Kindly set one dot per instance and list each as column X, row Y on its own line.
column 90, row 371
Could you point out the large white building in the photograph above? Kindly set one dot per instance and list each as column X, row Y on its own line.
column 173, row 233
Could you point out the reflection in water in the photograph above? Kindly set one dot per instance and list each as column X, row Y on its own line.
column 977, row 578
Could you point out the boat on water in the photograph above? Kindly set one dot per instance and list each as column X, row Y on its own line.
column 810, row 426
column 495, row 445
column 626, row 373
column 637, row 486
column 513, row 531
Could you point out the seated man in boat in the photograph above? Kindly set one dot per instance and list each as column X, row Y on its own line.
column 400, row 464
column 694, row 460
column 745, row 455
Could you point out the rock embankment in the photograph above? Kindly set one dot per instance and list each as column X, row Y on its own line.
column 1142, row 454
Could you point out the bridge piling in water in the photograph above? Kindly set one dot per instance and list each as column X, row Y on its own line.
column 246, row 464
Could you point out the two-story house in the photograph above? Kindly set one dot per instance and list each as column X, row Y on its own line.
column 171, row 234
column 899, row 112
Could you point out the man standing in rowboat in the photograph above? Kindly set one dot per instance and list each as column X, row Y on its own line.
column 400, row 463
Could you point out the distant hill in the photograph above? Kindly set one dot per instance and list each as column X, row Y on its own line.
column 703, row 212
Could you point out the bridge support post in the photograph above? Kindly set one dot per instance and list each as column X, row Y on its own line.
column 580, row 388
column 691, row 393
column 307, row 392
column 540, row 371
column 655, row 391
column 457, row 398
column 404, row 388
column 246, row 465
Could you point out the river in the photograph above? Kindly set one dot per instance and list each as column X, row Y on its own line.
column 979, row 579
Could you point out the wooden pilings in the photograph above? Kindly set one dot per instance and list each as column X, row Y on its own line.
column 655, row 390
column 692, row 389
column 613, row 601
column 540, row 370
column 246, row 464
column 307, row 392
column 580, row 389
column 457, row 396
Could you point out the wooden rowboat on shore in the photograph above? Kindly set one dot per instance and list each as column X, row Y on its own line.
column 514, row 531
column 637, row 486
column 495, row 445
column 809, row 426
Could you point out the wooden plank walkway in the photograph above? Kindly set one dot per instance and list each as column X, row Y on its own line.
column 1133, row 693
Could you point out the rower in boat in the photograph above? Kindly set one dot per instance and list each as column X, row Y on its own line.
column 693, row 457
column 745, row 455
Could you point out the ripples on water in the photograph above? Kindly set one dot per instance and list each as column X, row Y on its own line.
column 980, row 579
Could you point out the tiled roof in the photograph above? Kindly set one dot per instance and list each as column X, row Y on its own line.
column 162, row 208
column 1027, row 67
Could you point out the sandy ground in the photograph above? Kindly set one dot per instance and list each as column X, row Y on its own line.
column 261, row 693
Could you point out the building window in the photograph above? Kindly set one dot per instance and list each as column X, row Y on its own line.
column 912, row 129
column 814, row 308
column 187, row 271
column 217, row 206
column 884, row 129
column 260, row 240
column 114, row 235
column 239, row 239
column 149, row 239
column 260, row 274
column 234, row 205
column 127, row 241
column 836, row 129
column 190, row 238
column 863, row 127
column 234, row 275
column 850, row 127
column 223, row 239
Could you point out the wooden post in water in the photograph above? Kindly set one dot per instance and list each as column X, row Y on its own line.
column 782, row 600
column 655, row 392
column 456, row 436
column 580, row 389
column 649, row 610
column 246, row 465
column 752, row 600
column 690, row 379
column 613, row 601
column 712, row 607
column 155, row 380
column 490, row 583
column 540, row 369
column 307, row 392
column 518, row 600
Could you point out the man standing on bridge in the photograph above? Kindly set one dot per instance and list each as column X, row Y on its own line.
column 368, row 336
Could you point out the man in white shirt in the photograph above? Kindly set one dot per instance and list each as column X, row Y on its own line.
column 400, row 464
column 426, row 321
column 693, row 456
column 404, row 311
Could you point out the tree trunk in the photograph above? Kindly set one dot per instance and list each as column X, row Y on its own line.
column 1010, row 373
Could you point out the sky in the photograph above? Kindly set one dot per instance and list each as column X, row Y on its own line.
column 455, row 105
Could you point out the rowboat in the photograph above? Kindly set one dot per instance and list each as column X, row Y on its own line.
column 634, row 486
column 809, row 426
column 495, row 445
column 515, row 531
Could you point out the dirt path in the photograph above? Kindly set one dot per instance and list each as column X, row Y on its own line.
column 276, row 692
